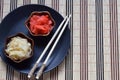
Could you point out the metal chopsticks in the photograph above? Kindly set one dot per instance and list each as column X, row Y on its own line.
column 46, row 48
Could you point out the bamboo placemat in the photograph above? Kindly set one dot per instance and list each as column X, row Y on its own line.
column 95, row 40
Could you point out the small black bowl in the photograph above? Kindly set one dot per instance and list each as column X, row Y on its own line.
column 39, row 13
column 23, row 36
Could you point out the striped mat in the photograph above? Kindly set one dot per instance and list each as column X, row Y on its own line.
column 95, row 40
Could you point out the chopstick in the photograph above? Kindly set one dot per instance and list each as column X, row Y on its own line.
column 53, row 47
column 46, row 48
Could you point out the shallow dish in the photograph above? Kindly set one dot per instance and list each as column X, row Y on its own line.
column 24, row 37
column 14, row 23
column 40, row 13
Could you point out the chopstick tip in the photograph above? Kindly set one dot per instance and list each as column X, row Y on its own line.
column 28, row 76
column 37, row 77
column 70, row 15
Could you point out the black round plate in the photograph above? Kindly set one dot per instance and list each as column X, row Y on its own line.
column 14, row 22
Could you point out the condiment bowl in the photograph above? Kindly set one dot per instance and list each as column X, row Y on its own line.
column 22, row 35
